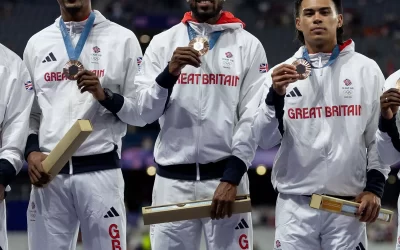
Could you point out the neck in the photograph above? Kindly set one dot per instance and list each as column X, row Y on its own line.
column 78, row 16
column 212, row 20
column 321, row 47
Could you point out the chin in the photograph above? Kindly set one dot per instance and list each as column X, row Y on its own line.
column 73, row 5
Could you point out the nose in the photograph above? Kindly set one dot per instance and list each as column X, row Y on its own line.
column 317, row 18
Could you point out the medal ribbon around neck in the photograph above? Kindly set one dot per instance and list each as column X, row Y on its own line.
column 74, row 53
column 213, row 38
column 332, row 59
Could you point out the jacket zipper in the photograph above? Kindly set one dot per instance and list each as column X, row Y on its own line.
column 71, row 168
column 199, row 129
column 324, row 120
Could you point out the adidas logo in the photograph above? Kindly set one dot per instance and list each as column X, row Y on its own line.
column 111, row 213
column 294, row 93
column 242, row 224
column 360, row 246
column 50, row 58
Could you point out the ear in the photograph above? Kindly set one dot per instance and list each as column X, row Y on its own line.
column 298, row 27
column 340, row 20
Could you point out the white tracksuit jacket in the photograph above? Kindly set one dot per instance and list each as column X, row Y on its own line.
column 113, row 53
column 16, row 98
column 388, row 153
column 208, row 116
column 330, row 120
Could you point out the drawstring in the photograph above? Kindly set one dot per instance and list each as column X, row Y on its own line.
column 320, row 64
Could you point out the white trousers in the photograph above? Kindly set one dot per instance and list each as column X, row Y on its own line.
column 3, row 226
column 93, row 201
column 398, row 226
column 235, row 233
column 300, row 227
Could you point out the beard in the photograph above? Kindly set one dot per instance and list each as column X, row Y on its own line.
column 204, row 13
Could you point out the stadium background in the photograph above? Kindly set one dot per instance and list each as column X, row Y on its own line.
column 374, row 25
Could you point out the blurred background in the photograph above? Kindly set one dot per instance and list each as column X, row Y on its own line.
column 374, row 25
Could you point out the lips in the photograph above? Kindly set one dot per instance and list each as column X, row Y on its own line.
column 204, row 3
column 318, row 29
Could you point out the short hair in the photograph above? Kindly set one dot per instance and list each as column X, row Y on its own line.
column 339, row 31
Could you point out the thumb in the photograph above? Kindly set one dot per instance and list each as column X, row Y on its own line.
column 358, row 198
column 361, row 208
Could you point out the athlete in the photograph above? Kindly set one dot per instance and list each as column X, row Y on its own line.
column 16, row 98
column 387, row 137
column 207, row 73
column 324, row 101
column 82, row 67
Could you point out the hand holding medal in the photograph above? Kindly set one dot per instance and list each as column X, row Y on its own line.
column 390, row 102
column 183, row 56
column 282, row 76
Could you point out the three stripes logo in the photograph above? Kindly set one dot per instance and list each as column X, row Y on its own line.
column 50, row 58
column 294, row 93
column 111, row 213
column 242, row 224
column 360, row 246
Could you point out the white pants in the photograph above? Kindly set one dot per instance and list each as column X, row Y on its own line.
column 398, row 226
column 94, row 201
column 300, row 227
column 227, row 234
column 3, row 226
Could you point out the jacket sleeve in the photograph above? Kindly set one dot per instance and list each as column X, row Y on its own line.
column 269, row 117
column 125, row 105
column 243, row 143
column 387, row 136
column 154, row 82
column 14, row 130
column 377, row 171
column 32, row 144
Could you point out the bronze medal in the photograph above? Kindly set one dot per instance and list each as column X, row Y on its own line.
column 200, row 44
column 72, row 68
column 303, row 68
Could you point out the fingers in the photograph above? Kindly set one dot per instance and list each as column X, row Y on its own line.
column 367, row 212
column 375, row 213
column 229, row 209
column 285, row 69
column 88, row 83
column 187, row 55
column 189, row 50
column 189, row 59
column 361, row 207
column 35, row 173
column 34, row 180
column 84, row 72
column 214, row 205
column 220, row 209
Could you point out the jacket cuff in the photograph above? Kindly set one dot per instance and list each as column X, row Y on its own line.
column 234, row 170
column 387, row 126
column 7, row 172
column 278, row 101
column 113, row 105
column 166, row 79
column 32, row 145
column 375, row 182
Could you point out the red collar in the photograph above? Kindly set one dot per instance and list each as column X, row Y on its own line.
column 226, row 17
column 345, row 44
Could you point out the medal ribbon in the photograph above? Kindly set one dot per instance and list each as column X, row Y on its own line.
column 213, row 38
column 74, row 54
column 332, row 59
